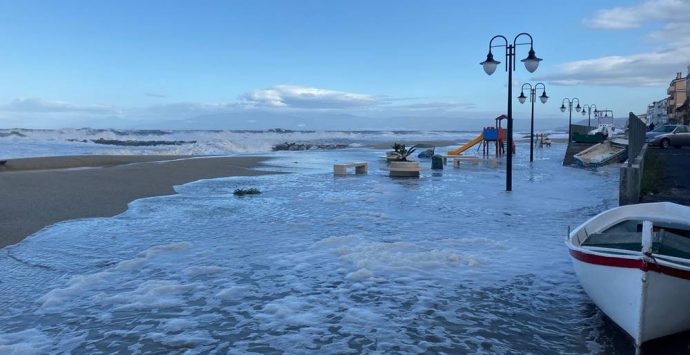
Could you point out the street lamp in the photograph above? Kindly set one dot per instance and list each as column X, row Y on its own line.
column 605, row 114
column 531, row 64
column 532, row 98
column 588, row 109
column 570, row 110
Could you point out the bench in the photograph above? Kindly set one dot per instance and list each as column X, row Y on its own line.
column 471, row 159
column 341, row 169
column 458, row 159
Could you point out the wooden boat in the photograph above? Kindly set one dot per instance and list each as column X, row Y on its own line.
column 634, row 263
column 601, row 154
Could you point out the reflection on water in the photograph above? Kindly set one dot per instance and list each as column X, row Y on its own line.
column 449, row 262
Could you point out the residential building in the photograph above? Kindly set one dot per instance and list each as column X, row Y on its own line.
column 657, row 112
column 677, row 97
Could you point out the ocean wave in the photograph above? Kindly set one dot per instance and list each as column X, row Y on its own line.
column 21, row 142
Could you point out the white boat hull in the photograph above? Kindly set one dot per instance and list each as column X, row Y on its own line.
column 648, row 298
column 646, row 304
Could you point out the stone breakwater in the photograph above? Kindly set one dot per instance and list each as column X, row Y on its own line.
column 134, row 143
column 307, row 146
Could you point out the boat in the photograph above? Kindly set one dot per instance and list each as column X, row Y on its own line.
column 597, row 137
column 606, row 129
column 601, row 154
column 634, row 263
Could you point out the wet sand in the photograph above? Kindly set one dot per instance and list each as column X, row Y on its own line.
column 38, row 192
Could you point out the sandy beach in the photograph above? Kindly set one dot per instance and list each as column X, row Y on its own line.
column 37, row 192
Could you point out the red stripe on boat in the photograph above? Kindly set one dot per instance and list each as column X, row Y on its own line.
column 628, row 263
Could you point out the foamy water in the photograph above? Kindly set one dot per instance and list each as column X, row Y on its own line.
column 448, row 263
column 16, row 143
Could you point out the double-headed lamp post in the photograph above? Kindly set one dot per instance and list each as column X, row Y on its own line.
column 531, row 64
column 570, row 108
column 605, row 114
column 588, row 109
column 532, row 97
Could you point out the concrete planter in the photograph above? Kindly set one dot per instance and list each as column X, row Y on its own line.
column 404, row 169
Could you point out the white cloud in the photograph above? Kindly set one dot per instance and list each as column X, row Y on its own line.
column 642, row 69
column 37, row 105
column 635, row 16
column 293, row 107
column 294, row 96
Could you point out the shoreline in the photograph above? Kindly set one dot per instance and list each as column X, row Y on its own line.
column 39, row 192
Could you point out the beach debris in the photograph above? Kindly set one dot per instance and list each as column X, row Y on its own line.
column 250, row 191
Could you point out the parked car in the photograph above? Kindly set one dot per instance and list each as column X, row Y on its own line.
column 669, row 136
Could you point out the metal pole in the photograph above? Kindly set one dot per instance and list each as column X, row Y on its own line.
column 589, row 117
column 531, row 128
column 509, row 159
column 570, row 119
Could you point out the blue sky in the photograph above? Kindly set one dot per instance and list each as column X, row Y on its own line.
column 324, row 64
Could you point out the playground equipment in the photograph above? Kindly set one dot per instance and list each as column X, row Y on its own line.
column 467, row 145
column 489, row 135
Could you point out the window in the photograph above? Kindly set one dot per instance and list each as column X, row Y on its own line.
column 665, row 129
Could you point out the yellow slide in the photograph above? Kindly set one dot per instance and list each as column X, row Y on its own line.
column 467, row 145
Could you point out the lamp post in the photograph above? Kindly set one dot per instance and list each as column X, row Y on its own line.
column 532, row 98
column 606, row 114
column 531, row 64
column 570, row 115
column 588, row 109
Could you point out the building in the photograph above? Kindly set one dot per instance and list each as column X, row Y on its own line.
column 685, row 107
column 677, row 96
column 657, row 112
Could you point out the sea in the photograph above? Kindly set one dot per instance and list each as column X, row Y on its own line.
column 315, row 264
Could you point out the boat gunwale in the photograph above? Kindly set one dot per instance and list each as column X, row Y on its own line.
column 574, row 234
column 636, row 260
column 674, row 261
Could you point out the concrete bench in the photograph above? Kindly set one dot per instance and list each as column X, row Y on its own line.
column 469, row 159
column 341, row 169
column 458, row 160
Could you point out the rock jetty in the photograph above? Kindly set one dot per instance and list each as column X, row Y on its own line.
column 307, row 146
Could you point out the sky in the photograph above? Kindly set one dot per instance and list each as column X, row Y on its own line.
column 318, row 65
